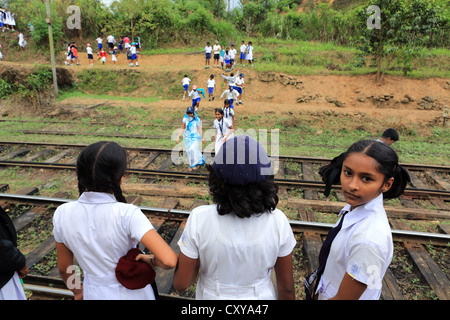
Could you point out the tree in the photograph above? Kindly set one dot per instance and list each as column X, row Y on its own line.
column 253, row 14
column 395, row 31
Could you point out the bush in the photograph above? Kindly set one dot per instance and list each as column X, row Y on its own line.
column 5, row 89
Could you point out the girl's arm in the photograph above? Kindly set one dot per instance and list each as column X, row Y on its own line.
column 285, row 279
column 181, row 131
column 228, row 133
column 201, row 132
column 65, row 260
column 185, row 272
column 349, row 289
column 164, row 256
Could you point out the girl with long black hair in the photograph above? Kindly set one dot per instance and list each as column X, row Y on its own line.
column 357, row 252
column 100, row 228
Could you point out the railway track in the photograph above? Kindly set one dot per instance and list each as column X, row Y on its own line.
column 151, row 163
column 169, row 222
column 429, row 186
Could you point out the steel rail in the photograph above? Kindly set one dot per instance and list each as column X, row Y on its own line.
column 296, row 225
column 148, row 173
column 409, row 166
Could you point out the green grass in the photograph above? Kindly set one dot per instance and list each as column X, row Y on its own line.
column 315, row 58
column 303, row 135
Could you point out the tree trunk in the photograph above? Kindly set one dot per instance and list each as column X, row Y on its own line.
column 380, row 54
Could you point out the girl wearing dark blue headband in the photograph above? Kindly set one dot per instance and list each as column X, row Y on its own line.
column 240, row 238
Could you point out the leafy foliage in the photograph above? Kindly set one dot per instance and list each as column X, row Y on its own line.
column 405, row 27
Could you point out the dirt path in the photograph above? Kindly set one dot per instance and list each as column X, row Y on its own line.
column 354, row 92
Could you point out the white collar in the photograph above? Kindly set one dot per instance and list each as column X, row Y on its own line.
column 96, row 197
column 363, row 211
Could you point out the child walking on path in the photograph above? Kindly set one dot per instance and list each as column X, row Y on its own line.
column 208, row 50
column 230, row 94
column 357, row 252
column 193, row 134
column 134, row 56
column 216, row 51
column 228, row 113
column 249, row 55
column 90, row 54
column 114, row 55
column 239, row 86
column 100, row 228
column 243, row 49
column 238, row 243
column 224, row 130
column 185, row 82
column 196, row 98
column 102, row 55
column 211, row 83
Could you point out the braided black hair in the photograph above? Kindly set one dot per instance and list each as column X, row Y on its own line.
column 100, row 167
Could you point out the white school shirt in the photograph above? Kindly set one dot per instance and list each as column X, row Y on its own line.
column 185, row 81
column 89, row 50
column 236, row 254
column 216, row 49
column 232, row 53
column 231, row 95
column 99, row 40
column 363, row 248
column 110, row 39
column 211, row 83
column 243, row 48
column 239, row 81
column 194, row 94
column 99, row 231
column 222, row 129
column 228, row 113
column 208, row 49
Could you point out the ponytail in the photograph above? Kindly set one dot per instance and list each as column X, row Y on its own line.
column 401, row 179
column 331, row 174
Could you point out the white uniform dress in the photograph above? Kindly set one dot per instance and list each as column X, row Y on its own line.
column 236, row 254
column 99, row 231
column 363, row 248
column 249, row 55
column 222, row 128
column 13, row 289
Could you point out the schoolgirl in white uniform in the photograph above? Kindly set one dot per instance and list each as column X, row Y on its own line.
column 228, row 112
column 12, row 20
column 100, row 228
column 249, row 56
column 224, row 130
column 238, row 244
column 362, row 250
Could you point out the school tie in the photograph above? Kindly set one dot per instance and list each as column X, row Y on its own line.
column 323, row 256
column 226, row 114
